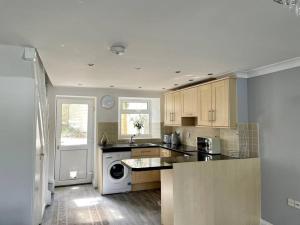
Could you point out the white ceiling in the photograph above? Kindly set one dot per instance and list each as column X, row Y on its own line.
column 196, row 37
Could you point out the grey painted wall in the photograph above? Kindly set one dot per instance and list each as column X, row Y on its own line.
column 274, row 102
column 242, row 100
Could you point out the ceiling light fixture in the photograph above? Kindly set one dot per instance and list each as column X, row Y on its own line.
column 293, row 5
column 118, row 49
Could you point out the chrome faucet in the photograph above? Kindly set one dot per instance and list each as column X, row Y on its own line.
column 131, row 139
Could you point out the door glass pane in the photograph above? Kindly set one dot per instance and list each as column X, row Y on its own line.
column 130, row 124
column 74, row 124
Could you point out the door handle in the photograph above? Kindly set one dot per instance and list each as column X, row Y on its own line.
column 108, row 157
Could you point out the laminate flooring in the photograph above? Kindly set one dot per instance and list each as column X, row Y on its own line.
column 83, row 205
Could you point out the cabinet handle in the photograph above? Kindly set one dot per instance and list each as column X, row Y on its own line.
column 213, row 115
column 209, row 116
column 173, row 116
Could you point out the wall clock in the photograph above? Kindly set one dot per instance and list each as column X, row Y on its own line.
column 107, row 101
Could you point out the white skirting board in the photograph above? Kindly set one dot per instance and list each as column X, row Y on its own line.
column 263, row 222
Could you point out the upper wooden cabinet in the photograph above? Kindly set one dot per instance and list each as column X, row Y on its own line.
column 204, row 105
column 217, row 104
column 211, row 104
column 189, row 102
column 173, row 105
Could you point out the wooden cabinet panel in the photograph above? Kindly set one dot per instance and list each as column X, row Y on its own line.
column 220, row 103
column 145, row 176
column 214, row 105
column 189, row 102
column 228, row 193
column 167, row 199
column 145, row 152
column 145, row 180
column 177, row 108
column 169, row 108
column 173, row 102
column 204, row 105
column 165, row 152
column 224, row 103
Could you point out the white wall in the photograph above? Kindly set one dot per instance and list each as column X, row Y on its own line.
column 103, row 115
column 16, row 137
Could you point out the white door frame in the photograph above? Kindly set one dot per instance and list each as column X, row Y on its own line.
column 91, row 101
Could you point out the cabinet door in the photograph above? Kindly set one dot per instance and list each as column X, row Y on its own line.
column 140, row 177
column 165, row 153
column 177, row 108
column 169, row 107
column 189, row 102
column 220, row 103
column 204, row 105
column 150, row 152
column 145, row 152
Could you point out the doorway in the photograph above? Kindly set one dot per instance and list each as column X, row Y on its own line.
column 75, row 129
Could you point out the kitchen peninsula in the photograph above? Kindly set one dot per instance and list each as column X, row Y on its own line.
column 201, row 189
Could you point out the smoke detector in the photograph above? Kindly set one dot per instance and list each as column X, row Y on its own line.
column 118, row 49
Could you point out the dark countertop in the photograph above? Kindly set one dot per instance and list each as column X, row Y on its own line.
column 128, row 147
column 143, row 164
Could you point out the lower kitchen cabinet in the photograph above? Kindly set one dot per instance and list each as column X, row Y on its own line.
column 145, row 180
column 165, row 153
column 145, row 152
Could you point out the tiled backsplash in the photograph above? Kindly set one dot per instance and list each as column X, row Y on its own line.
column 188, row 135
column 240, row 142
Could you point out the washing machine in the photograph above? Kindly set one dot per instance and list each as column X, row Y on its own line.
column 116, row 176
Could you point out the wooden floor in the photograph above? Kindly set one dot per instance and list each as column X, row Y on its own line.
column 83, row 205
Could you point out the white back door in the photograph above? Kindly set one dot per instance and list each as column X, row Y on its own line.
column 74, row 140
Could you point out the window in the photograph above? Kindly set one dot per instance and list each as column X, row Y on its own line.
column 139, row 116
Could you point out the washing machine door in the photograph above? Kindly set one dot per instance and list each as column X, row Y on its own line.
column 117, row 172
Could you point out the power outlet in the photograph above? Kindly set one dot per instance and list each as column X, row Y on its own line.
column 297, row 204
column 291, row 202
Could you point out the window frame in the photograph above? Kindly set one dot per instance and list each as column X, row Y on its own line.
column 131, row 111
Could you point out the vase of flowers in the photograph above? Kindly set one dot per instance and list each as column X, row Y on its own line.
column 138, row 124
